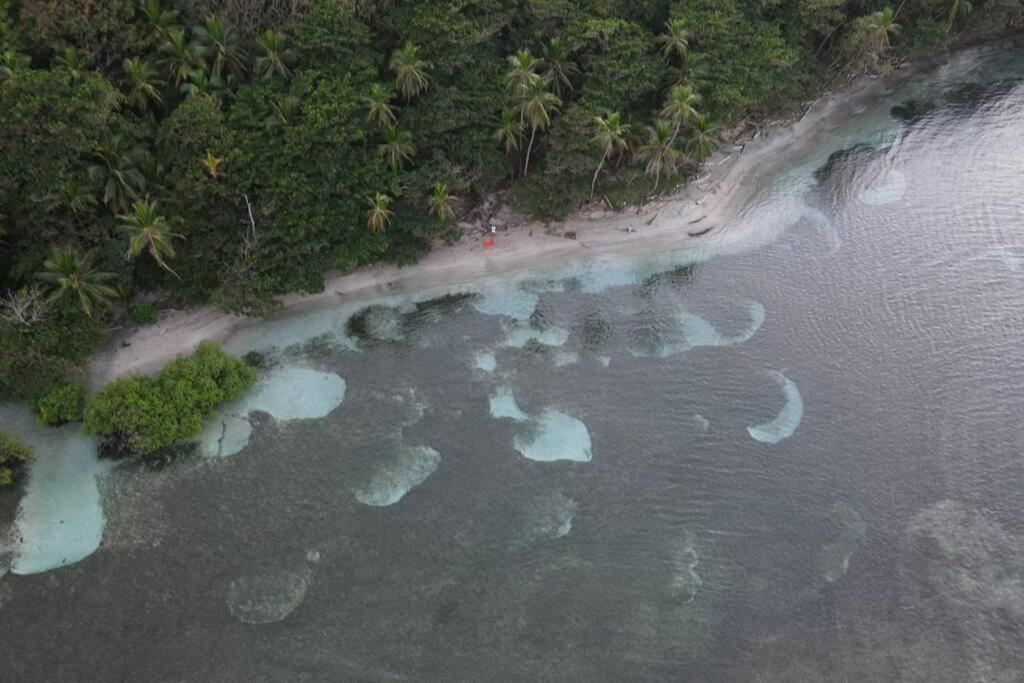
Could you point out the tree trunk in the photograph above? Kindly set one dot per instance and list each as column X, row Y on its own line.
column 526, row 167
column 593, row 183
column 679, row 123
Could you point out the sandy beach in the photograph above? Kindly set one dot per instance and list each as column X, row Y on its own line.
column 710, row 203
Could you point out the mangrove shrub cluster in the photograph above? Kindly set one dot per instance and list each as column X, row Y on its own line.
column 233, row 151
column 14, row 453
column 139, row 415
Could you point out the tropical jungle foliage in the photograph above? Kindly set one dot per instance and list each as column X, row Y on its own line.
column 231, row 152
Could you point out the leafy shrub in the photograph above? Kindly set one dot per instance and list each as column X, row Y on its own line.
column 14, row 453
column 143, row 314
column 64, row 403
column 137, row 415
column 36, row 358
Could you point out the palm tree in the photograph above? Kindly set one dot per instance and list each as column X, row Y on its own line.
column 119, row 170
column 77, row 194
column 213, row 165
column 441, row 202
column 141, row 78
column 522, row 73
column 958, row 8
column 611, row 136
column 218, row 39
column 883, row 28
column 680, row 107
column 378, row 218
column 558, row 68
column 703, row 137
column 276, row 56
column 72, row 60
column 537, row 105
column 283, row 110
column 675, row 41
column 659, row 152
column 509, row 131
column 10, row 63
column 200, row 82
column 180, row 58
column 149, row 231
column 379, row 108
column 410, row 71
column 397, row 147
column 74, row 273
column 159, row 21
column 690, row 71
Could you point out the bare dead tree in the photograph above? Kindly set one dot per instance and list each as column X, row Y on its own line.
column 25, row 306
column 255, row 16
column 251, row 238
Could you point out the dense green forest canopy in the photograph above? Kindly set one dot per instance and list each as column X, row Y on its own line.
column 233, row 150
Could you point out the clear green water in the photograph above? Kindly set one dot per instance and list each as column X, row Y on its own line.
column 793, row 459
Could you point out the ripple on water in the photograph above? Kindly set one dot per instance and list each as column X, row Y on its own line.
column 888, row 188
column 398, row 474
column 788, row 419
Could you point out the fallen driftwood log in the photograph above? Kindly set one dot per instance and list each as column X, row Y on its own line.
column 701, row 233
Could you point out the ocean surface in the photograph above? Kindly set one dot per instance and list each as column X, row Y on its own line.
column 798, row 459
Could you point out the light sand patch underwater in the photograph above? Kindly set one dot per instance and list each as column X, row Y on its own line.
column 785, row 423
column 286, row 393
column 486, row 361
column 510, row 301
column 551, row 435
column 60, row 519
column 519, row 335
column 555, row 436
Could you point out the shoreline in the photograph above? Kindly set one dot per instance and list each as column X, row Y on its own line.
column 709, row 205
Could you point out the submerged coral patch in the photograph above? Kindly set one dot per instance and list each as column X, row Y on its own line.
column 268, row 597
column 398, row 474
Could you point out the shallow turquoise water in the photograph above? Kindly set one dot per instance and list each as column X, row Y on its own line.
column 795, row 458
